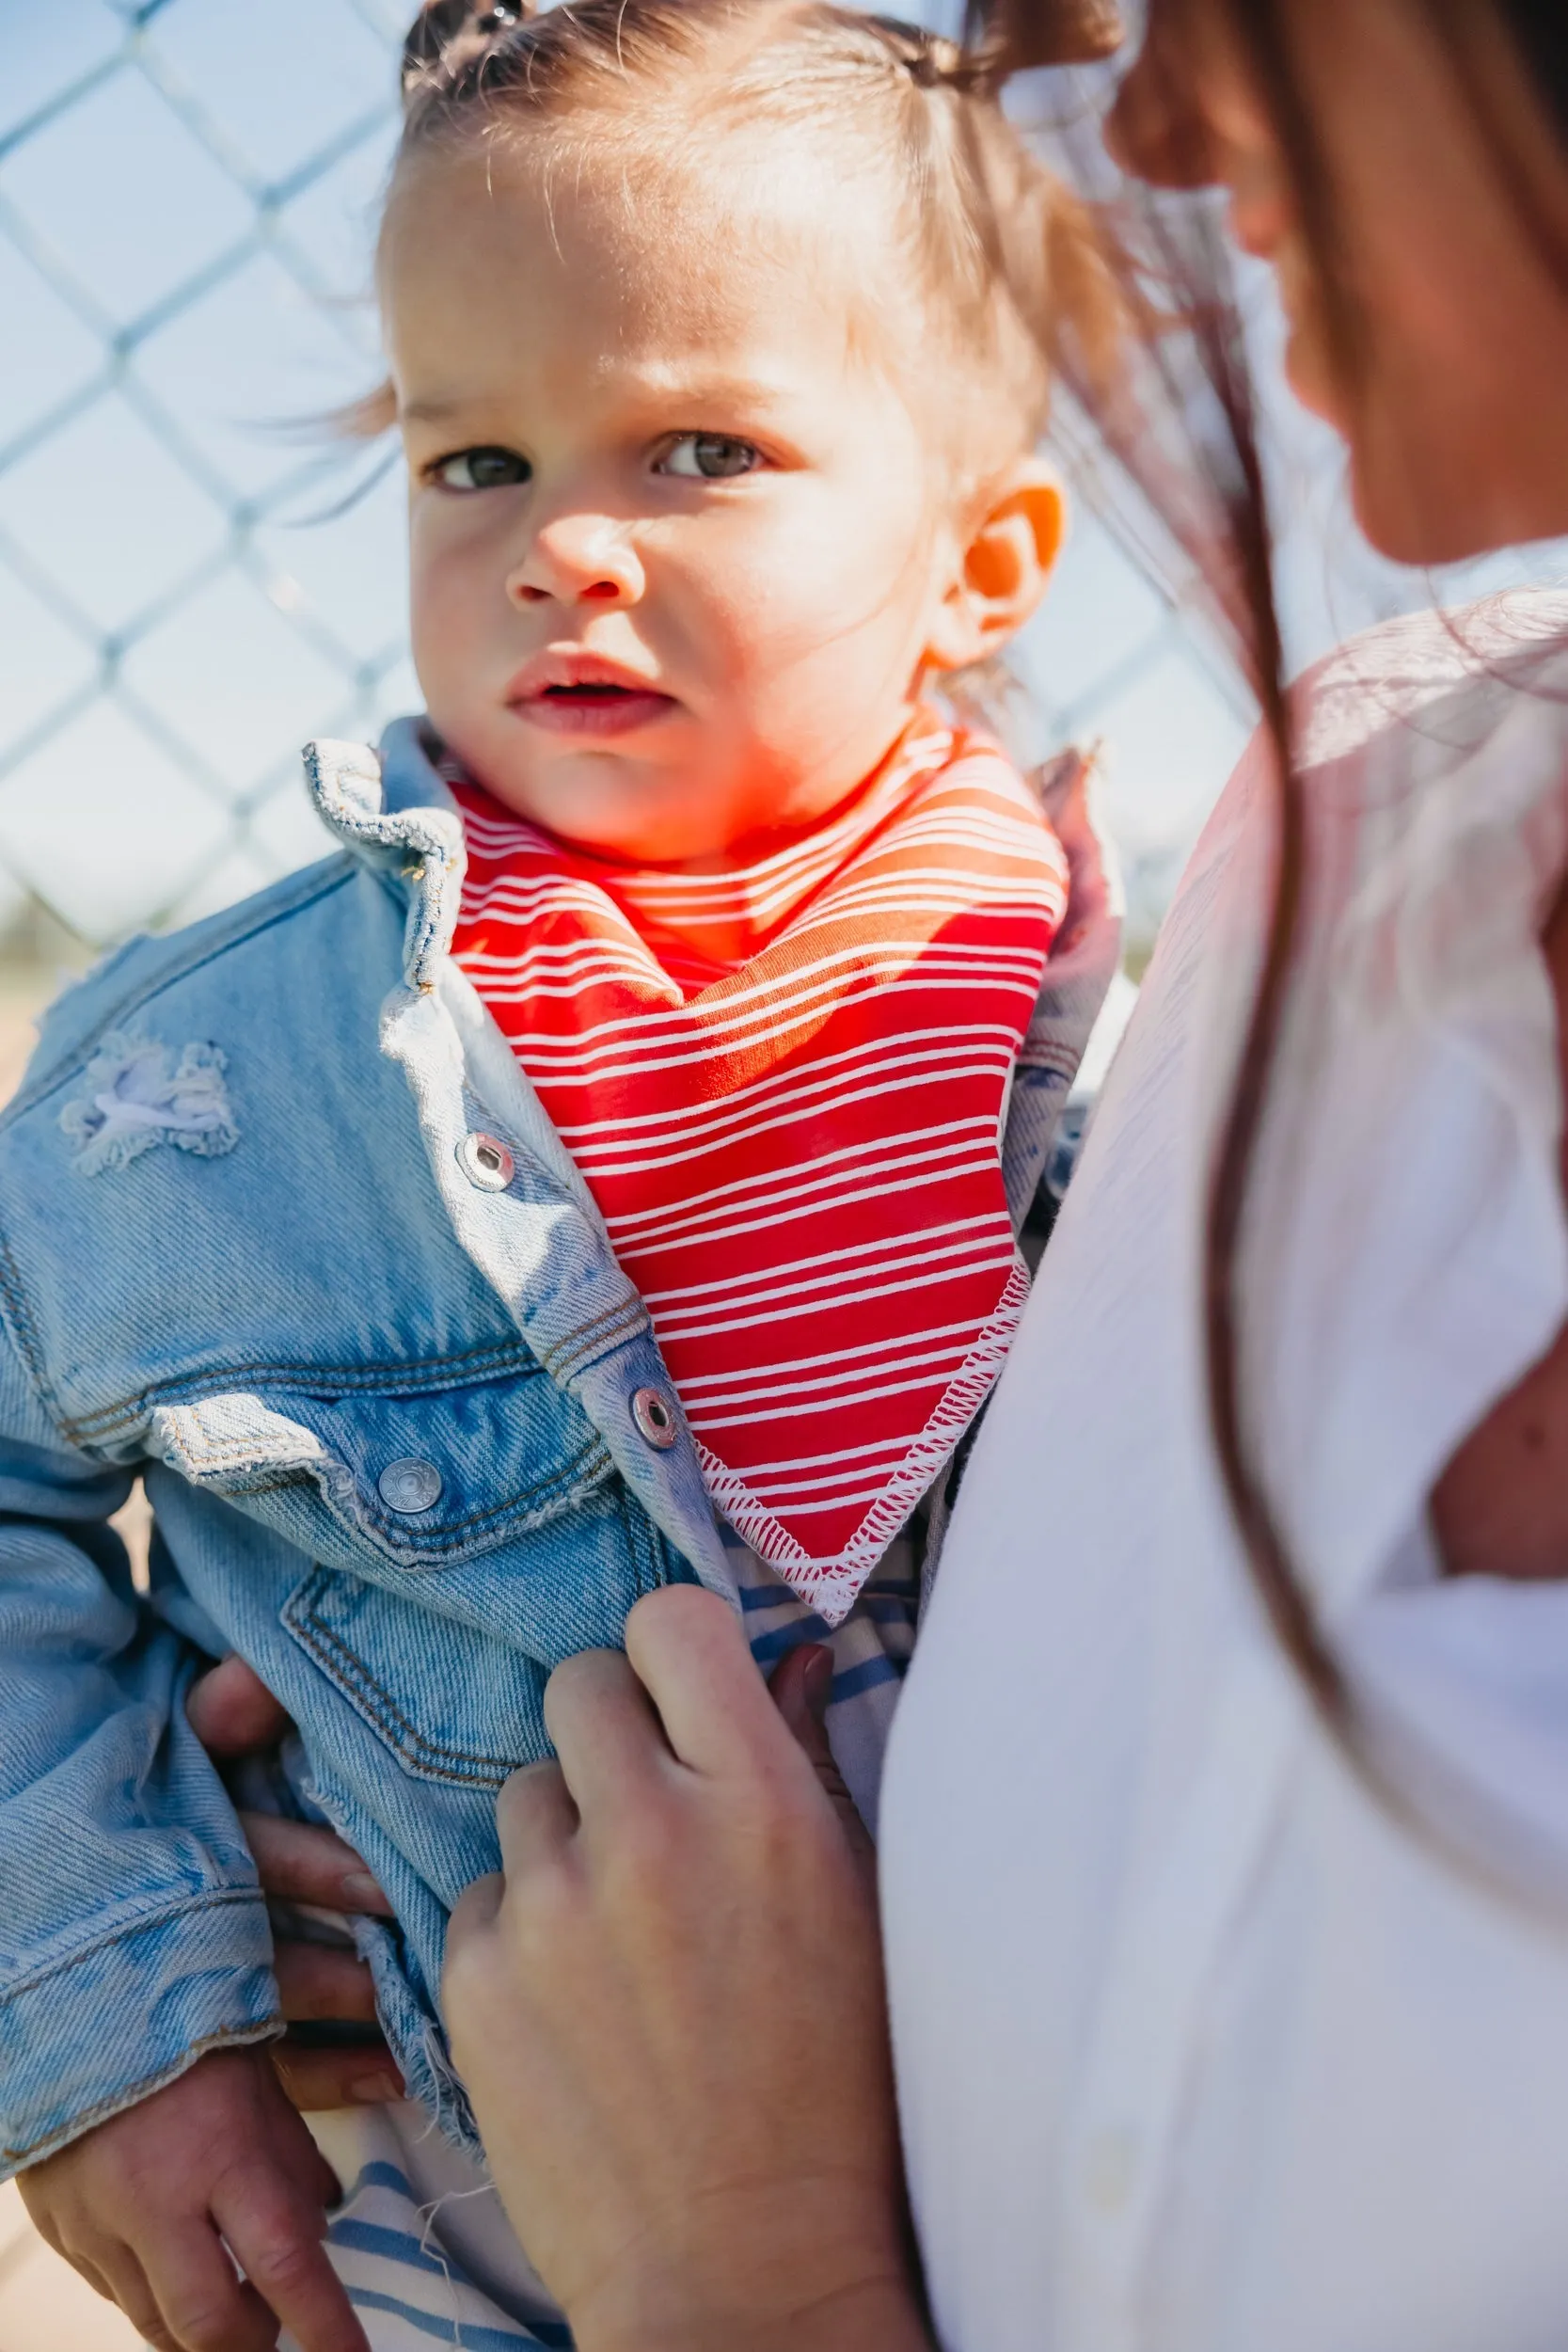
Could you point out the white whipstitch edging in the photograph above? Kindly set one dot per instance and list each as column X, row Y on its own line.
column 831, row 1589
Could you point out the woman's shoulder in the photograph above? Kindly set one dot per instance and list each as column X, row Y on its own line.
column 1436, row 676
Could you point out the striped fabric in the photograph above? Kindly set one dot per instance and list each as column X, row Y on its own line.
column 785, row 1087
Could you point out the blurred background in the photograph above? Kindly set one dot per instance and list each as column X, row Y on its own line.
column 193, row 579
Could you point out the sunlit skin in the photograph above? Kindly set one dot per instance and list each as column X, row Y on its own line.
column 1453, row 416
column 687, row 546
column 691, row 533
column 1451, row 408
column 1450, row 396
column 583, row 1982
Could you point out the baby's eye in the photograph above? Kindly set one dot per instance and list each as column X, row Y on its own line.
column 483, row 470
column 708, row 457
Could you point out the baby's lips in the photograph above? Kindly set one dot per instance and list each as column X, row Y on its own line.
column 563, row 669
column 594, row 711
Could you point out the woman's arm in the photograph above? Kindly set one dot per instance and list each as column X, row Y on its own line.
column 669, row 2013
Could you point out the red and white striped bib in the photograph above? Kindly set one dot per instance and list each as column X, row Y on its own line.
column 798, row 1157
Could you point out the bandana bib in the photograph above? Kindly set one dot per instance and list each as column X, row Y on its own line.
column 797, row 1157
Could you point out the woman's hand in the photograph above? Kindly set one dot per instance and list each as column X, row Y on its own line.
column 669, row 2013
column 233, row 1713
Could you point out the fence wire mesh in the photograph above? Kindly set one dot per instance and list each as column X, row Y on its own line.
column 187, row 191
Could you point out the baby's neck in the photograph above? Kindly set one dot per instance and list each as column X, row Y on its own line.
column 755, row 916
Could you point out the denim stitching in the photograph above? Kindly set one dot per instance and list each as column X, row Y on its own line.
column 430, row 834
column 644, row 1544
column 313, row 1380
column 24, row 1332
column 570, row 1354
column 355, row 1677
column 227, row 2038
column 571, row 1476
column 1047, row 1056
column 667, row 1559
column 133, row 1921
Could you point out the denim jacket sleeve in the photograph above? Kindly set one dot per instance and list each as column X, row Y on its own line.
column 133, row 1934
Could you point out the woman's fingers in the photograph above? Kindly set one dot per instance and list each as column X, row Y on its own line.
column 317, row 2077
column 316, row 1980
column 802, row 1684
column 603, row 1727
column 687, row 1648
column 306, row 1864
column 670, row 2016
column 478, row 1907
column 232, row 1712
column 535, row 1816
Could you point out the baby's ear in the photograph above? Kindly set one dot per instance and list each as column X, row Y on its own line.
column 1013, row 544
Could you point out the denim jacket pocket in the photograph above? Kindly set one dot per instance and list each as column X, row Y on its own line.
column 453, row 1705
column 407, row 1479
column 489, row 1510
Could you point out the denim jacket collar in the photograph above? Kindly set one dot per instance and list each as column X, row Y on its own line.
column 397, row 815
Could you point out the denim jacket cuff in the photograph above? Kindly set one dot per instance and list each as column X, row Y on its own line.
column 94, row 2033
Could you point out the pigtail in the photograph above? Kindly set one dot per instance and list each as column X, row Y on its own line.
column 934, row 63
column 1042, row 249
column 1067, row 32
column 448, row 35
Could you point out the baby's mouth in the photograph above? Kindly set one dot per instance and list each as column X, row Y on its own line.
column 597, row 707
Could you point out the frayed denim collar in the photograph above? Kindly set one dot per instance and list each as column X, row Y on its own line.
column 394, row 811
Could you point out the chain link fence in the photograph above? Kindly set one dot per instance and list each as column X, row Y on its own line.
column 188, row 194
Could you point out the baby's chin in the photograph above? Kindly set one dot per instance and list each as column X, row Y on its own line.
column 614, row 808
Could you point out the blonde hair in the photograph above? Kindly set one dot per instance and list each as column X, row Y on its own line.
column 1006, row 263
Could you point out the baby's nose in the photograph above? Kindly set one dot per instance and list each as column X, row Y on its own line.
column 579, row 560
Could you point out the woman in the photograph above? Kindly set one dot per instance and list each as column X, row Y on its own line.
column 1224, row 1864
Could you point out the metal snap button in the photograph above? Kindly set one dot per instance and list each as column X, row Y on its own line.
column 410, row 1486
column 655, row 1416
column 487, row 1162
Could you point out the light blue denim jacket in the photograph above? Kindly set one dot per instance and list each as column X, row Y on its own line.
column 386, row 1386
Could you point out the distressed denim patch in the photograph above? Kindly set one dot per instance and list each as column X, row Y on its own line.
column 138, row 1092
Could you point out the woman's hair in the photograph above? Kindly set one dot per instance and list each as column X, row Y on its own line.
column 1539, row 30
column 1006, row 263
column 1192, row 266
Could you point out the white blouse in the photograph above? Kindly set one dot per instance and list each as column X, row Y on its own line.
column 1200, row 2049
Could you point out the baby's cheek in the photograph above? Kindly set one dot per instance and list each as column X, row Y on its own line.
column 767, row 628
column 445, row 621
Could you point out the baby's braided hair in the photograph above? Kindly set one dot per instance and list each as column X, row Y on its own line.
column 456, row 52
column 1007, row 260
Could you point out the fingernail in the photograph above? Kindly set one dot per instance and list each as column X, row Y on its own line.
column 818, row 1675
column 363, row 1893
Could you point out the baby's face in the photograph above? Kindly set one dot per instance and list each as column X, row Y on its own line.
column 678, row 541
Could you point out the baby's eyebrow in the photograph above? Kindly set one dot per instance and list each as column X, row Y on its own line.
column 729, row 391
column 662, row 385
column 430, row 411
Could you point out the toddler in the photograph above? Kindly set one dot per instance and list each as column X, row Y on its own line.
column 605, row 1169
